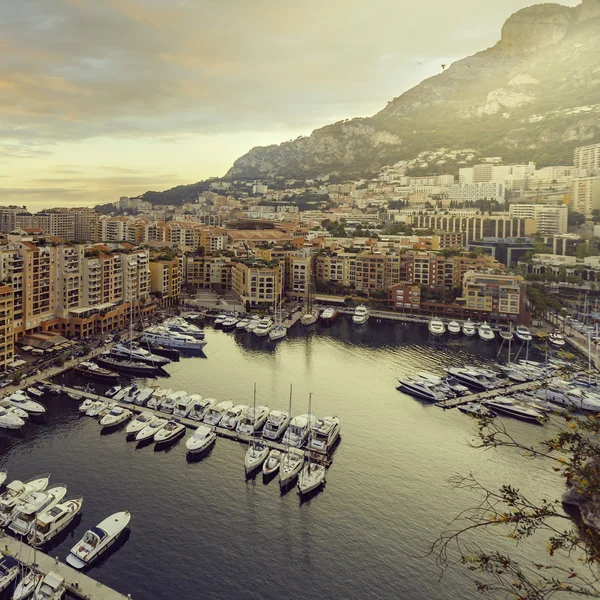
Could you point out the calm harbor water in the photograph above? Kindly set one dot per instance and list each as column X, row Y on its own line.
column 201, row 530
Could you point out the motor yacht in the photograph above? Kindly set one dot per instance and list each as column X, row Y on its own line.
column 93, row 371
column 557, row 339
column 172, row 431
column 140, row 422
column 264, row 327
column 121, row 393
column 172, row 339
column 486, row 333
column 50, row 587
column 324, row 434
column 158, row 397
column 215, row 413
column 24, row 515
column 569, row 396
column 468, row 329
column 278, row 333
column 276, row 424
column 151, row 429
column 113, row 391
column 183, row 406
column 242, row 324
column 24, row 402
column 476, row 409
column 523, row 333
column 329, row 315
column 86, row 405
column 252, row 420
column 290, row 465
column 180, row 325
column 298, row 430
column 230, row 322
column 17, row 493
column 232, row 416
column 97, row 540
column 171, row 400
column 454, row 328
column 19, row 412
column 361, row 315
column 271, row 464
column 471, row 377
column 514, row 408
column 220, row 318
column 201, row 439
column 131, row 395
column 422, row 388
column 115, row 417
column 74, row 396
column 437, row 327
column 27, row 585
column 98, row 407
column 200, row 407
column 8, row 420
column 33, row 391
column 255, row 455
column 508, row 336
column 254, row 323
column 311, row 477
column 456, row 386
column 9, row 569
column 143, row 396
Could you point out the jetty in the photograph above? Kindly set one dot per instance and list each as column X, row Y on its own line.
column 501, row 391
column 77, row 583
column 189, row 423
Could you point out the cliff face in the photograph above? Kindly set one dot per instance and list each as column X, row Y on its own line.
column 534, row 95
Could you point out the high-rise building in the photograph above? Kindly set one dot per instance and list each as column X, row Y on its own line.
column 498, row 295
column 586, row 195
column 165, row 280
column 7, row 348
column 550, row 219
column 588, row 158
column 257, row 282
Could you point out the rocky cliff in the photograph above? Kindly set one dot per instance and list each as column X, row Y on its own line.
column 534, row 95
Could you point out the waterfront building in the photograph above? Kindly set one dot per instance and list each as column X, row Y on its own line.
column 550, row 219
column 405, row 297
column 257, row 282
column 165, row 280
column 212, row 271
column 7, row 349
column 499, row 295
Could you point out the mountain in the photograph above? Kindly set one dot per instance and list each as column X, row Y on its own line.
column 533, row 96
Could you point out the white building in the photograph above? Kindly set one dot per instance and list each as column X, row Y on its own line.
column 550, row 219
column 259, row 188
column 586, row 194
column 470, row 192
column 587, row 157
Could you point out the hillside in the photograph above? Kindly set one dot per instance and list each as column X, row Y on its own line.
column 535, row 95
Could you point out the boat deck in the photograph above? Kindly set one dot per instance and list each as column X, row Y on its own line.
column 479, row 396
column 189, row 423
column 78, row 584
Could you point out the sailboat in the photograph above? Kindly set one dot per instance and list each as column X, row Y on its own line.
column 292, row 460
column 311, row 315
column 312, row 475
column 280, row 330
column 257, row 450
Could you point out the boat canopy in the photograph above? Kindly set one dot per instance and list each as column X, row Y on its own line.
column 98, row 532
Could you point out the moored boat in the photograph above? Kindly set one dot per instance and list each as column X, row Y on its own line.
column 454, row 328
column 172, row 431
column 486, row 333
column 201, row 439
column 51, row 521
column 468, row 329
column 115, row 417
column 329, row 315
column 255, row 455
column 128, row 366
column 271, row 464
column 361, row 315
column 93, row 371
column 150, row 430
column 50, row 587
column 523, row 333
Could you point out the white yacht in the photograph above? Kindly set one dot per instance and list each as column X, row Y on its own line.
column 252, row 420
column 329, row 314
column 140, row 422
column 113, row 391
column 19, row 412
column 183, row 406
column 33, row 391
column 232, row 416
column 325, row 433
column 9, row 569
column 422, row 388
column 216, row 411
column 264, row 327
column 8, row 420
column 523, row 333
column 468, row 329
column 3, row 476
column 254, row 323
column 24, row 515
column 121, row 393
column 243, row 323
column 472, row 377
column 437, row 327
column 17, row 493
column 171, row 400
column 361, row 315
column 135, row 352
column 220, row 318
column 115, row 417
column 271, row 465
column 311, row 477
column 569, row 396
column 278, row 333
column 230, row 322
column 143, row 396
column 476, row 409
column 21, row 400
column 201, row 439
column 454, row 328
column 298, row 430
column 180, row 325
column 27, row 585
column 86, row 405
column 276, row 424
column 150, row 430
column 131, row 395
column 158, row 397
column 171, row 339
column 290, row 465
column 486, row 333
column 98, row 539
column 557, row 339
column 98, row 407
column 255, row 455
column 169, row 433
column 200, row 407
column 50, row 587
column 514, row 408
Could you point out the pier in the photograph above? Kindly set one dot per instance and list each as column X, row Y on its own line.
column 189, row 423
column 479, row 396
column 77, row 583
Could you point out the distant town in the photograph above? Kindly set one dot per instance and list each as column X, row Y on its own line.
column 460, row 244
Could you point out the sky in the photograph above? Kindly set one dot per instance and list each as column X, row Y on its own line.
column 107, row 98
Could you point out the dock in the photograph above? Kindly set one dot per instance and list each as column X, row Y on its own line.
column 189, row 423
column 479, row 396
column 77, row 583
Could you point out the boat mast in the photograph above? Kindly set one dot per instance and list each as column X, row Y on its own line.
column 509, row 340
column 310, row 432
column 254, row 418
column 288, row 437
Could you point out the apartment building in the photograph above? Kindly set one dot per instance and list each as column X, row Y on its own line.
column 59, row 222
column 471, row 192
column 405, row 297
column 7, row 349
column 257, row 282
column 501, row 296
column 208, row 271
column 588, row 158
column 338, row 269
column 12, row 272
column 165, row 280
column 102, row 277
column 69, row 278
column 550, row 219
column 586, row 195
column 84, row 224
column 111, row 229
column 8, row 215
column 448, row 240
column 136, row 275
